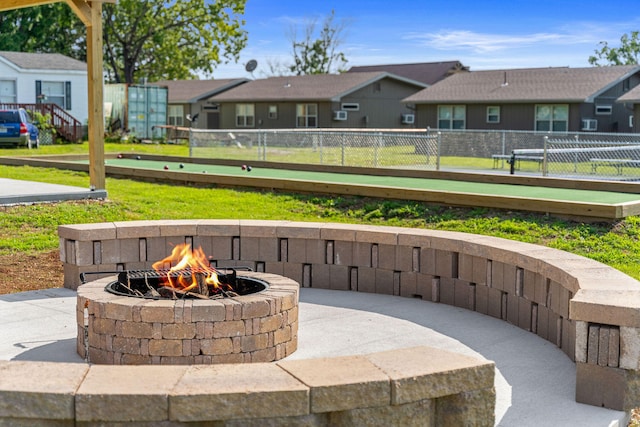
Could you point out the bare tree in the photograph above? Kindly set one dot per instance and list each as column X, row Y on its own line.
column 319, row 54
column 276, row 68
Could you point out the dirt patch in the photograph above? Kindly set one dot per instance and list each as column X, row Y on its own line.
column 21, row 273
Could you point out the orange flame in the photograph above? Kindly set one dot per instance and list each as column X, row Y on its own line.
column 183, row 259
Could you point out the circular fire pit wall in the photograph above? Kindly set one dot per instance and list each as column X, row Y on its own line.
column 121, row 330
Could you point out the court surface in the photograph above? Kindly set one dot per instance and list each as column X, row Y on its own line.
column 534, row 192
column 586, row 203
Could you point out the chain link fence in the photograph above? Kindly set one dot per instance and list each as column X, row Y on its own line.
column 614, row 158
column 371, row 148
column 580, row 155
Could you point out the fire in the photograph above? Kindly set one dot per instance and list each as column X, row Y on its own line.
column 183, row 259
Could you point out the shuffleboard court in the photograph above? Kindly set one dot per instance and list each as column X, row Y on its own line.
column 486, row 189
column 583, row 200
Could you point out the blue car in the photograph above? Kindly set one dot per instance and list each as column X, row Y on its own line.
column 17, row 130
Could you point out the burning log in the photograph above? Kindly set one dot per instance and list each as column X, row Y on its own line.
column 173, row 293
column 169, row 292
column 201, row 280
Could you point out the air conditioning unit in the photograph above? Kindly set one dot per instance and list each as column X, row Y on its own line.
column 589, row 124
column 408, row 119
column 339, row 115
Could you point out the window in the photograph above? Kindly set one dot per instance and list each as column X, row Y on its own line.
column 604, row 110
column 8, row 91
column 176, row 115
column 273, row 112
column 245, row 115
column 493, row 114
column 307, row 115
column 552, row 118
column 451, row 116
column 58, row 93
column 350, row 106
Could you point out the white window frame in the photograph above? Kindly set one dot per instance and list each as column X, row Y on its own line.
column 554, row 113
column 49, row 89
column 273, row 111
column 350, row 106
column 589, row 125
column 245, row 115
column 493, row 117
column 175, row 115
column 306, row 115
column 6, row 97
column 603, row 110
column 452, row 116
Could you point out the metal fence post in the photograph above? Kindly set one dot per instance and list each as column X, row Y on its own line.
column 343, row 148
column 427, row 148
column 258, row 144
column 264, row 147
column 438, row 153
column 576, row 156
column 545, row 171
column 190, row 142
column 376, row 145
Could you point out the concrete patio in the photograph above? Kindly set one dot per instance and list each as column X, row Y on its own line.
column 535, row 381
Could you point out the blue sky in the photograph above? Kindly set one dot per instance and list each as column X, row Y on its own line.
column 486, row 34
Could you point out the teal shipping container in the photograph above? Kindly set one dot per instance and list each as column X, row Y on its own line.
column 136, row 110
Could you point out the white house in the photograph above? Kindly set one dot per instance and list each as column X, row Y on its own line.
column 31, row 78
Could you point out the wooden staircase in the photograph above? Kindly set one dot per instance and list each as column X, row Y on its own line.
column 67, row 127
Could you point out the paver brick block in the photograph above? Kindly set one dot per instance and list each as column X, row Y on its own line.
column 258, row 390
column 39, row 390
column 123, row 393
column 340, row 383
column 419, row 373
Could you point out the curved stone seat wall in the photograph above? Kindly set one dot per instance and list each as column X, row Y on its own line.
column 589, row 310
column 414, row 386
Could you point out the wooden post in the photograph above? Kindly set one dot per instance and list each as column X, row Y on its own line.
column 90, row 13
column 96, row 101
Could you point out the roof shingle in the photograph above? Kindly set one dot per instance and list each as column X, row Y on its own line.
column 320, row 87
column 188, row 91
column 557, row 84
column 43, row 61
column 425, row 72
column 632, row 96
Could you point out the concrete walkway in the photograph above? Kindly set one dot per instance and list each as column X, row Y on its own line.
column 535, row 381
column 14, row 192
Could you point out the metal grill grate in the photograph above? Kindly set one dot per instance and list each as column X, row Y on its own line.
column 129, row 275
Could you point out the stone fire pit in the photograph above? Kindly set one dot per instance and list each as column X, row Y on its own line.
column 121, row 330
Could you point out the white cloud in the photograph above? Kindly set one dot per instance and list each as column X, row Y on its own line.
column 486, row 43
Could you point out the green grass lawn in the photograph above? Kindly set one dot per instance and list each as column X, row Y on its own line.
column 109, row 147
